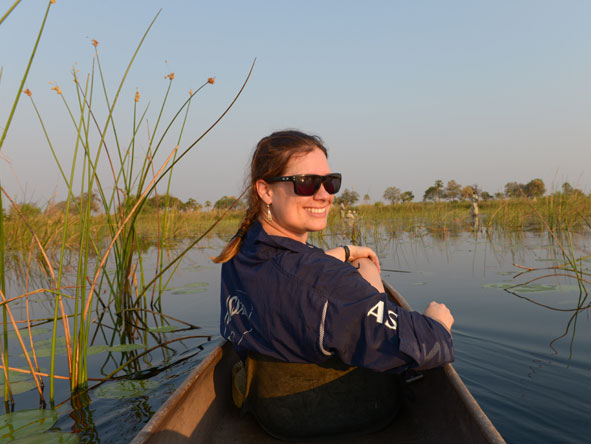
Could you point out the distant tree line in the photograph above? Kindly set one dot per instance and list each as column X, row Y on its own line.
column 452, row 191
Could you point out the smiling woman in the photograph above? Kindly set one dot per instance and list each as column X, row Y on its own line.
column 324, row 314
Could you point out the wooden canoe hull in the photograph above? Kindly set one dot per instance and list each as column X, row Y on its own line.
column 201, row 410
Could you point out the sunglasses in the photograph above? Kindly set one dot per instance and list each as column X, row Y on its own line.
column 309, row 184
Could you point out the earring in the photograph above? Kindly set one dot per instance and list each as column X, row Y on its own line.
column 269, row 215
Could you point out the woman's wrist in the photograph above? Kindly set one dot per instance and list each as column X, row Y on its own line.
column 347, row 252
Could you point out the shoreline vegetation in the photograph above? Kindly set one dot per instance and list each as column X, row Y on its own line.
column 560, row 213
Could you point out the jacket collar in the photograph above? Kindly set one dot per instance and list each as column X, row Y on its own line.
column 257, row 235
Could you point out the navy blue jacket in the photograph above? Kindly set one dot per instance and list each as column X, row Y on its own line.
column 293, row 302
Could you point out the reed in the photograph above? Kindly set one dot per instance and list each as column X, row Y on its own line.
column 74, row 248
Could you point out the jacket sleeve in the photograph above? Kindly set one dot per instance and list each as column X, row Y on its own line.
column 366, row 328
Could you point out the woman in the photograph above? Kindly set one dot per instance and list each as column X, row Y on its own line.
column 291, row 302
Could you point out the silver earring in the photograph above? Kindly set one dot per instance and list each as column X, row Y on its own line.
column 269, row 215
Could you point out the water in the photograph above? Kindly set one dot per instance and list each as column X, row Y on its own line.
column 532, row 390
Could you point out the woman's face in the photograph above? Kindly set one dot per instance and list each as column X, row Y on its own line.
column 295, row 216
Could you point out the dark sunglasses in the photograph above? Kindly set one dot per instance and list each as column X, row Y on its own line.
column 309, row 184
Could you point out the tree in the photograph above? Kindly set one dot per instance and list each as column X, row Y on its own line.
column 453, row 190
column 534, row 188
column 347, row 198
column 434, row 192
column 407, row 196
column 224, row 202
column 77, row 203
column 499, row 195
column 28, row 209
column 512, row 189
column 366, row 199
column 393, row 195
column 485, row 195
column 467, row 192
column 207, row 204
column 191, row 205
column 430, row 194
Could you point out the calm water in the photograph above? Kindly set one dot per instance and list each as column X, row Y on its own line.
column 532, row 391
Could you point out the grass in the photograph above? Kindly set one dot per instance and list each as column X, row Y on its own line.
column 92, row 250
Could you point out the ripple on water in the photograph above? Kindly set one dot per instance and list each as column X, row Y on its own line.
column 516, row 385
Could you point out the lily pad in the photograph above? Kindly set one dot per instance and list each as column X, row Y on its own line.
column 163, row 329
column 43, row 348
column 419, row 283
column 506, row 273
column 25, row 332
column 49, row 438
column 532, row 288
column 126, row 389
column 96, row 349
column 26, row 422
column 193, row 288
column 18, row 387
column 126, row 347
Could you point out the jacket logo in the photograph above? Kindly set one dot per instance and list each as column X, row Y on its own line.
column 234, row 307
column 378, row 312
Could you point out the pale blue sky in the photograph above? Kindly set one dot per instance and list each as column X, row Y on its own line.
column 402, row 92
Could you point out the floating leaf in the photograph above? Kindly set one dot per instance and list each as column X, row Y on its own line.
column 506, row 273
column 18, row 387
column 26, row 422
column 43, row 348
column 96, row 349
column 49, row 438
column 419, row 283
column 126, row 389
column 25, row 332
column 193, row 288
column 163, row 329
column 126, row 347
column 532, row 288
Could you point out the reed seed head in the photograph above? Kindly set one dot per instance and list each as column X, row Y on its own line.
column 211, row 80
column 94, row 42
column 170, row 76
column 52, row 2
column 56, row 89
column 137, row 96
column 27, row 92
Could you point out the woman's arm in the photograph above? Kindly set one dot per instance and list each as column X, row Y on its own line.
column 356, row 252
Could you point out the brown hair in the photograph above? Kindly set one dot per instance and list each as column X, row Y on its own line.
column 270, row 159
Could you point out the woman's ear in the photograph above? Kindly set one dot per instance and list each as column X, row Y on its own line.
column 264, row 191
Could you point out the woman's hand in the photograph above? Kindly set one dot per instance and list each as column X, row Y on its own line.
column 356, row 252
column 441, row 314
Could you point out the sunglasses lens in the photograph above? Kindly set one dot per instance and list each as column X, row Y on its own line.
column 332, row 184
column 307, row 185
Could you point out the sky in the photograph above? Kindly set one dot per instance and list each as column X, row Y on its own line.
column 403, row 93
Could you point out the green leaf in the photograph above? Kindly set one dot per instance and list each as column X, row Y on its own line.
column 43, row 348
column 163, row 329
column 96, row 349
column 532, row 288
column 126, row 347
column 26, row 422
column 25, row 332
column 126, row 389
column 49, row 438
column 193, row 288
column 18, row 387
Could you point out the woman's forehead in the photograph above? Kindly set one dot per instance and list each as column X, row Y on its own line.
column 313, row 162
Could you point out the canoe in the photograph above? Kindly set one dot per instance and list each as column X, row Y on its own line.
column 201, row 409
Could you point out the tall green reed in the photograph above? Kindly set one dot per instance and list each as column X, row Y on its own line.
column 97, row 141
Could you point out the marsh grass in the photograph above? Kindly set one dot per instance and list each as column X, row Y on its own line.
column 91, row 251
